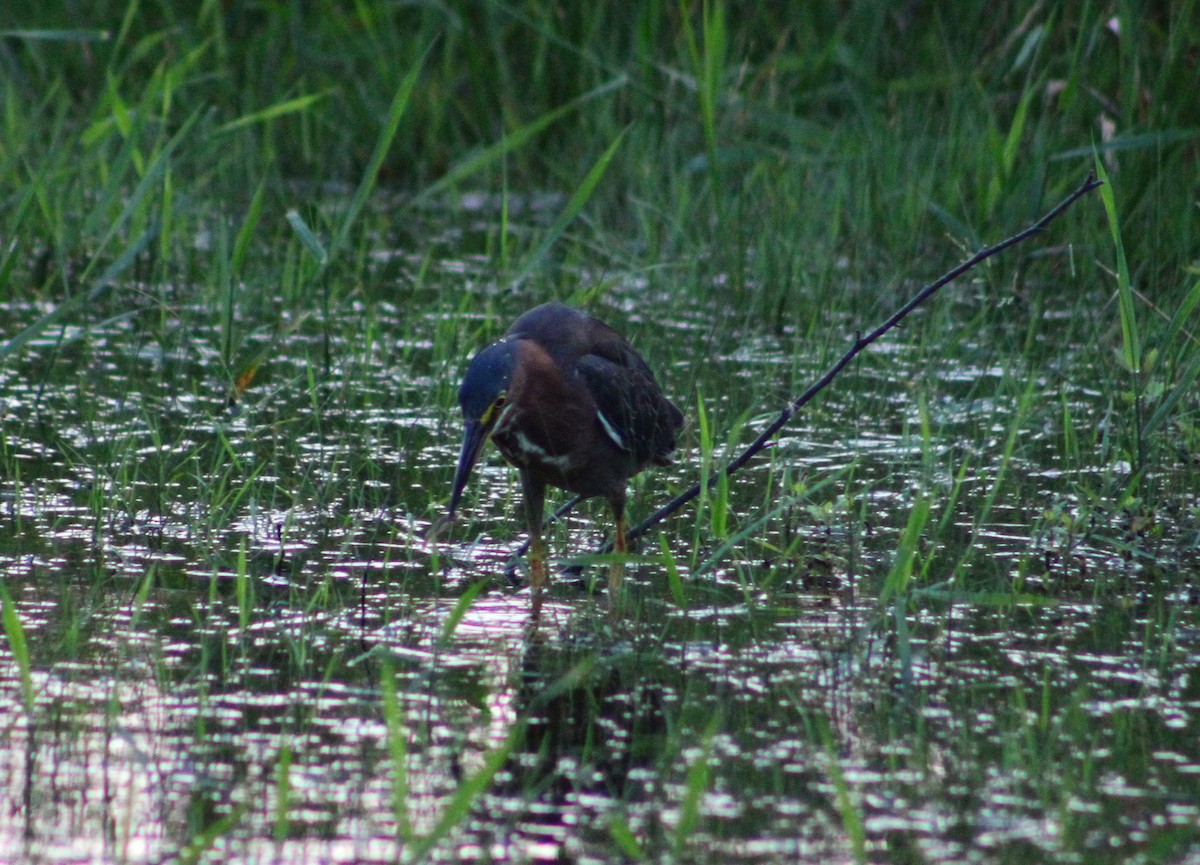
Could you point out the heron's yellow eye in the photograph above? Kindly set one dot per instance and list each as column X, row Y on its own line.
column 489, row 416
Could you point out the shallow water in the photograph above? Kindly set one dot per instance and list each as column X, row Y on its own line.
column 217, row 597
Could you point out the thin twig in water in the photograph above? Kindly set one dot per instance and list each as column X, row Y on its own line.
column 860, row 343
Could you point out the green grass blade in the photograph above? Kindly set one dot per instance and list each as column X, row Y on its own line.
column 1185, row 381
column 382, row 144
column 241, row 244
column 715, row 38
column 283, row 793
column 1183, row 314
column 901, row 571
column 99, row 287
column 460, row 609
column 153, row 173
column 51, row 35
column 574, row 207
column 459, row 807
column 708, row 65
column 674, row 583
column 625, row 840
column 308, row 237
column 1012, row 143
column 1184, row 386
column 9, row 256
column 142, row 593
column 851, row 818
column 205, row 840
column 695, row 786
column 511, row 141
column 1130, row 339
column 243, row 590
column 397, row 742
column 18, row 646
column 1156, row 140
column 297, row 105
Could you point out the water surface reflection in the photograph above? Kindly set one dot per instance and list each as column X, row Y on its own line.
column 216, row 600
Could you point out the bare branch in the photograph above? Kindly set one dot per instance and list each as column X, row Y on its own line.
column 860, row 343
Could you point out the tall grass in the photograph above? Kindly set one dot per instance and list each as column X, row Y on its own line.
column 782, row 167
column 764, row 97
column 203, row 185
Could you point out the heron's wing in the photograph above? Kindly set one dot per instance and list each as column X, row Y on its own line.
column 630, row 405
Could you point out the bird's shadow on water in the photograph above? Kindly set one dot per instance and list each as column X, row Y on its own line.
column 591, row 696
column 591, row 709
column 577, row 700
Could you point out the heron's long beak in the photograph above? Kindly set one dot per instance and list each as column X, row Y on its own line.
column 474, row 437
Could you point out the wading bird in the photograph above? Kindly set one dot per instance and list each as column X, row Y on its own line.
column 569, row 403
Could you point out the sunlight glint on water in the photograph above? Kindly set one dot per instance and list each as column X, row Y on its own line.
column 171, row 676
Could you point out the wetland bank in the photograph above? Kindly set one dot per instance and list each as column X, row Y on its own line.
column 951, row 615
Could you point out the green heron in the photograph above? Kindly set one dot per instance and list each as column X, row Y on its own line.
column 569, row 403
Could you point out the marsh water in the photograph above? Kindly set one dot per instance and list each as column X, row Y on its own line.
column 242, row 648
